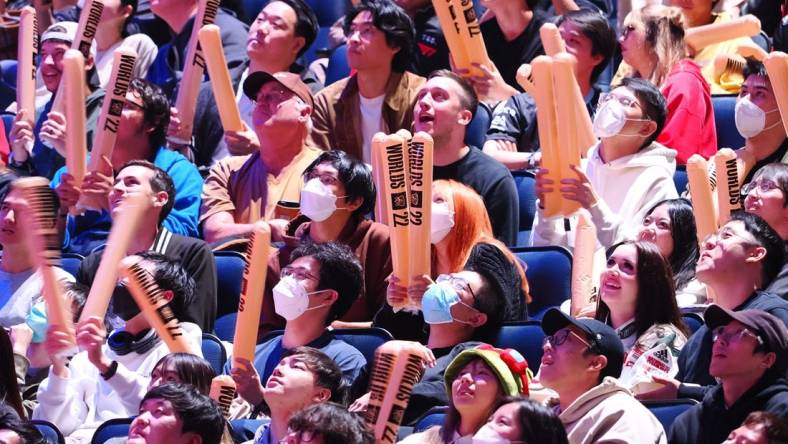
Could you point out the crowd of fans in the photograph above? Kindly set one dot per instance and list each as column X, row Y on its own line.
column 301, row 168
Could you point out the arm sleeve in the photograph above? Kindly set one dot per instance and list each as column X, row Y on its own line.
column 61, row 401
column 547, row 231
column 511, row 121
column 320, row 136
column 504, row 210
column 200, row 264
column 215, row 191
column 130, row 387
column 188, row 183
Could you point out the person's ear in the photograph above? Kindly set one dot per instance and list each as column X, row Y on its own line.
column 756, row 254
column 355, row 204
column 168, row 295
column 321, row 394
column 478, row 319
column 298, row 43
column 464, row 117
column 89, row 62
column 768, row 360
column 304, row 112
column 598, row 363
column 192, row 438
column 647, row 129
column 328, row 296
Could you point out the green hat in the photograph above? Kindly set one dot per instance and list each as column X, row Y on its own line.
column 509, row 367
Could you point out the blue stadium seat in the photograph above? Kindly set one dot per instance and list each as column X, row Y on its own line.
column 525, row 182
column 48, row 430
column 71, row 262
column 724, row 110
column 549, row 275
column 667, row 411
column 365, row 340
column 525, row 337
column 693, row 320
column 229, row 277
column 8, row 121
column 7, row 82
column 224, row 327
column 476, row 132
column 113, row 428
column 338, row 67
column 434, row 417
column 680, row 178
column 213, row 351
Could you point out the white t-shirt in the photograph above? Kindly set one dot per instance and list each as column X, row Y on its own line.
column 20, row 291
column 371, row 122
column 146, row 53
column 245, row 107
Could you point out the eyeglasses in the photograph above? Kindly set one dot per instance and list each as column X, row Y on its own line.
column 457, row 283
column 133, row 106
column 733, row 336
column 294, row 437
column 625, row 101
column 763, row 186
column 326, row 178
column 559, row 337
column 299, row 273
column 271, row 99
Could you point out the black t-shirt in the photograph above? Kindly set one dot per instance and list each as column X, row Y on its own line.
column 774, row 157
column 495, row 185
column 431, row 52
column 509, row 55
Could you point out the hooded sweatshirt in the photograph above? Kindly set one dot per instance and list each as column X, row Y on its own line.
column 608, row 413
column 711, row 421
column 627, row 187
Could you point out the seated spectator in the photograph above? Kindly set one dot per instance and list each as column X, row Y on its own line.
column 476, row 380
column 445, row 106
column 10, row 391
column 113, row 33
column 182, row 368
column 20, row 282
column 626, row 174
column 459, row 223
column 281, row 33
column 39, row 150
column 760, row 427
column 652, row 43
column 327, row 423
column 108, row 378
column 140, row 137
column 513, row 137
column 637, row 299
column 140, row 176
column 736, row 263
column 767, row 197
column 670, row 225
column 749, row 359
column 522, row 420
column 338, row 192
column 15, row 430
column 305, row 376
column 176, row 413
column 379, row 96
column 318, row 287
column 432, row 51
column 582, row 359
column 167, row 70
column 242, row 190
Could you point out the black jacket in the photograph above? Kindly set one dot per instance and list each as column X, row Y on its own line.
column 711, row 422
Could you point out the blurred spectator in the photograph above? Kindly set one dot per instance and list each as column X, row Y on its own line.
column 327, row 423
column 182, row 368
column 522, row 420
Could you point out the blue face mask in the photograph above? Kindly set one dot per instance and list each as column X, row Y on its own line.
column 436, row 303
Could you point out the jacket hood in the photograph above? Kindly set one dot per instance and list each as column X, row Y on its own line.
column 654, row 155
column 763, row 390
column 590, row 399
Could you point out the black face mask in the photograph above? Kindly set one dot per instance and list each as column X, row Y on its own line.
column 123, row 303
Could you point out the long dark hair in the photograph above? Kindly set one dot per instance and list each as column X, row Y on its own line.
column 191, row 369
column 9, row 388
column 537, row 422
column 656, row 298
column 683, row 230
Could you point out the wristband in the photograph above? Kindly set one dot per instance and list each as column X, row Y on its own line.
column 113, row 368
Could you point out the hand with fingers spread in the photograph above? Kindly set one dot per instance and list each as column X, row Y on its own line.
column 489, row 84
column 669, row 389
column 57, row 343
column 91, row 336
column 247, row 381
column 396, row 294
column 240, row 143
column 97, row 185
column 360, row 404
column 579, row 189
column 543, row 184
column 67, row 192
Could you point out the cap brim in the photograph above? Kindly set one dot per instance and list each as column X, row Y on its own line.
column 255, row 81
column 716, row 316
column 555, row 319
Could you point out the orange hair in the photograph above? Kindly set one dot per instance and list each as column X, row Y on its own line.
column 471, row 226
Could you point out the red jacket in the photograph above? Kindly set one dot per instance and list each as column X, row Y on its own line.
column 689, row 127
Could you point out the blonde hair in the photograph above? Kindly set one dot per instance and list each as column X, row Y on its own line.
column 663, row 29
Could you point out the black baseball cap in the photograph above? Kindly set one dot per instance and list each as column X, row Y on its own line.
column 768, row 327
column 603, row 339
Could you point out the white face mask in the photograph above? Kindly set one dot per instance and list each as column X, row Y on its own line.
column 442, row 222
column 610, row 120
column 750, row 118
column 487, row 435
column 291, row 300
column 318, row 202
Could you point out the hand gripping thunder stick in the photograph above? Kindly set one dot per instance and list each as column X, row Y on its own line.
column 223, row 392
column 463, row 34
column 76, row 139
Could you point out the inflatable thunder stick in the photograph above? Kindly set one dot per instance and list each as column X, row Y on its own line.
column 700, row 37
column 397, row 368
column 583, row 292
column 420, row 205
column 223, row 392
column 728, row 193
column 211, row 44
column 395, row 191
column 378, row 153
column 27, row 50
column 463, row 35
column 777, row 67
column 701, row 196
column 566, row 126
column 248, row 323
column 76, row 138
column 542, row 68
column 552, row 42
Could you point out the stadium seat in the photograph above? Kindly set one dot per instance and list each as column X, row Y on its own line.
column 213, row 351
column 525, row 337
column 549, row 275
column 365, row 340
column 724, row 110
column 113, row 428
column 48, row 430
column 693, row 320
column 680, row 179
column 525, row 182
column 229, row 277
column 7, row 82
column 476, row 132
column 434, row 417
column 338, row 67
column 668, row 410
column 8, row 121
column 71, row 262
column 224, row 327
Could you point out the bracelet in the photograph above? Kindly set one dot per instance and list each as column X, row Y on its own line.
column 113, row 368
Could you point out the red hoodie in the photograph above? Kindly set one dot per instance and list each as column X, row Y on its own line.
column 689, row 127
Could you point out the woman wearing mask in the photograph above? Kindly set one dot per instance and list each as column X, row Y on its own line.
column 652, row 43
column 477, row 380
column 670, row 225
column 636, row 298
column 521, row 420
column 459, row 221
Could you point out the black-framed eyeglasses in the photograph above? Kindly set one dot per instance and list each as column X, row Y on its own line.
column 559, row 338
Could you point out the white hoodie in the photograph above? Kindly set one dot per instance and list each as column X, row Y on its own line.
column 627, row 187
column 609, row 414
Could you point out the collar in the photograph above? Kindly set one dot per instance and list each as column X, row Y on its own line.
column 122, row 342
column 162, row 241
column 627, row 330
column 397, row 82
